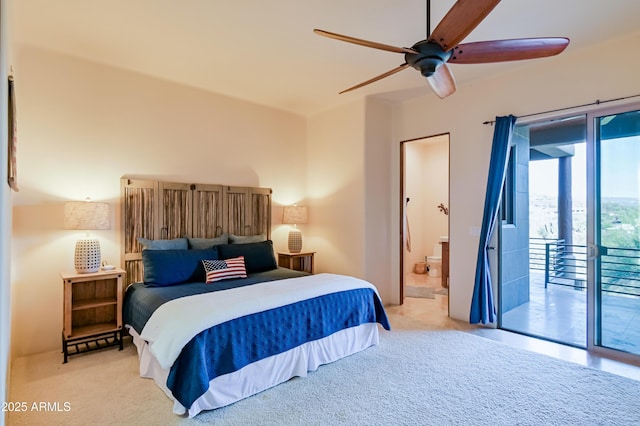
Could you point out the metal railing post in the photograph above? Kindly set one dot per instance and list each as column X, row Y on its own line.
column 546, row 264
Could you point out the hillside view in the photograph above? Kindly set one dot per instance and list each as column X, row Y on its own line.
column 620, row 220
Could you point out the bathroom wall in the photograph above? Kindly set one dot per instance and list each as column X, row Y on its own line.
column 427, row 185
column 414, row 190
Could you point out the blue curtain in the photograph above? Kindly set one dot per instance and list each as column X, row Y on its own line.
column 482, row 306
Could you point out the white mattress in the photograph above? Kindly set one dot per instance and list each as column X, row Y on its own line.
column 263, row 374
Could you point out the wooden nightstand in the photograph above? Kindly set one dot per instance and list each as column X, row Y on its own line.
column 92, row 311
column 297, row 261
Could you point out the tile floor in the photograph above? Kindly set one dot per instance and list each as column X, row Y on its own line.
column 559, row 313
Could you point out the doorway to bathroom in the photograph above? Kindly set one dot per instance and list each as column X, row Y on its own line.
column 424, row 252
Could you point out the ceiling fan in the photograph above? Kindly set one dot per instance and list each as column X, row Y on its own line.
column 431, row 56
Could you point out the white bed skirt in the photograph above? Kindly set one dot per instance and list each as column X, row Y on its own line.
column 263, row 374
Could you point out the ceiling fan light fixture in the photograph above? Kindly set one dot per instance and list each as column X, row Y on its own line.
column 428, row 66
column 428, row 58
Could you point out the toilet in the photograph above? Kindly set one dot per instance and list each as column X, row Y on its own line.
column 434, row 262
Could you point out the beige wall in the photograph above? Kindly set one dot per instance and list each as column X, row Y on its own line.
column 413, row 184
column 348, row 186
column 436, row 184
column 84, row 125
column 5, row 215
column 573, row 78
column 335, row 178
column 376, row 213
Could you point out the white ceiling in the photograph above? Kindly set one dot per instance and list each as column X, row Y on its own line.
column 265, row 51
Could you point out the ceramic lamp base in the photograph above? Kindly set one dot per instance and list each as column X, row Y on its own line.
column 295, row 241
column 87, row 256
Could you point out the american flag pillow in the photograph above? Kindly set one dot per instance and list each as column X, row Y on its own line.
column 224, row 269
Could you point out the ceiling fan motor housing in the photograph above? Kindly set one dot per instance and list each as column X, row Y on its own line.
column 429, row 57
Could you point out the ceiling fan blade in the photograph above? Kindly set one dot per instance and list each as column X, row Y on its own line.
column 442, row 81
column 461, row 19
column 362, row 42
column 483, row 52
column 374, row 79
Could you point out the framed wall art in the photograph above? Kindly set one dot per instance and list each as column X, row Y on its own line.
column 12, row 177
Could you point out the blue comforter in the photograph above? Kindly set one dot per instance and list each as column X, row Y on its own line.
column 234, row 344
column 140, row 301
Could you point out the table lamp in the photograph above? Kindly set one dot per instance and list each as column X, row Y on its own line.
column 86, row 216
column 294, row 215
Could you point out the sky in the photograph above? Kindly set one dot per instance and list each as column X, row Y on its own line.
column 620, row 171
column 543, row 175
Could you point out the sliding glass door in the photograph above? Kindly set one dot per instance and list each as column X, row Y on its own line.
column 542, row 245
column 569, row 244
column 614, row 253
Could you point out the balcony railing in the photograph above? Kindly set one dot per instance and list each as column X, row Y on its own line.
column 566, row 265
column 620, row 270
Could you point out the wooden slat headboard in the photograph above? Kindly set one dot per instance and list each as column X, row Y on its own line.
column 166, row 210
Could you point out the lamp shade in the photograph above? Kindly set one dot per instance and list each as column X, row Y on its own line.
column 86, row 215
column 294, row 215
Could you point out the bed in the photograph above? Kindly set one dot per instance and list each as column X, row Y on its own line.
column 209, row 339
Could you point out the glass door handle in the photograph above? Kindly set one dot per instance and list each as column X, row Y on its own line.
column 593, row 251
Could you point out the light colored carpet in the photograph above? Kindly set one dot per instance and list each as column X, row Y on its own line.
column 412, row 378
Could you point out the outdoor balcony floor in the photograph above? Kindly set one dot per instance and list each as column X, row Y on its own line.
column 559, row 313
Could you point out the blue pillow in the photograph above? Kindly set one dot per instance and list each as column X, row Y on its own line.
column 168, row 267
column 175, row 244
column 258, row 257
column 205, row 243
